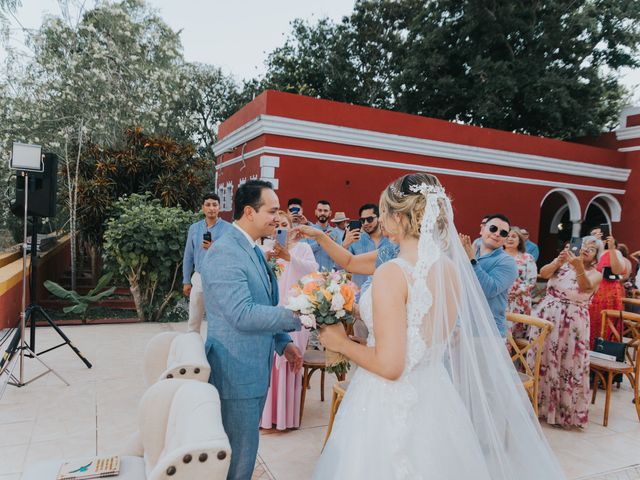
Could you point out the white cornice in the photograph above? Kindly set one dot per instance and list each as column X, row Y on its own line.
column 415, row 168
column 288, row 127
column 628, row 133
column 629, row 149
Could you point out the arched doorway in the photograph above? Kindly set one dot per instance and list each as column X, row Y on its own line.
column 560, row 220
column 602, row 209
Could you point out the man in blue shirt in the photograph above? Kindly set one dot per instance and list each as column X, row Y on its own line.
column 197, row 245
column 368, row 239
column 323, row 213
column 531, row 247
column 496, row 270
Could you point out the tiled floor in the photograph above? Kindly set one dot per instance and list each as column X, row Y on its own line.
column 96, row 414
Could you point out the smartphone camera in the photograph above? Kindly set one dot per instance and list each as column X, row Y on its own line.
column 355, row 225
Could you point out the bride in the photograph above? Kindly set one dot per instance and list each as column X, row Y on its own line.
column 436, row 395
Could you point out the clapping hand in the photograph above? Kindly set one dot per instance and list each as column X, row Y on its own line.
column 468, row 246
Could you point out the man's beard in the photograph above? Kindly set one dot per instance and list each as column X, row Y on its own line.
column 323, row 219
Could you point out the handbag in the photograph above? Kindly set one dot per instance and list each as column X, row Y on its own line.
column 615, row 349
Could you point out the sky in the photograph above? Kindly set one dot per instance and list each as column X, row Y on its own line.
column 237, row 35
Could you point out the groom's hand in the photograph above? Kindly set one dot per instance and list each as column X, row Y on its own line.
column 293, row 356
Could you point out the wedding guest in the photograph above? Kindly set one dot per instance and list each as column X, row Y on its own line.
column 323, row 213
column 292, row 262
column 531, row 247
column 483, row 222
column 519, row 297
column 340, row 224
column 564, row 369
column 597, row 233
column 195, row 249
column 496, row 271
column 610, row 292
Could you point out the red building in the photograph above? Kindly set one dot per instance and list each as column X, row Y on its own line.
column 313, row 149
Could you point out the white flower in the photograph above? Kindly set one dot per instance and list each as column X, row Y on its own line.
column 337, row 302
column 340, row 313
column 308, row 321
column 300, row 304
column 334, row 287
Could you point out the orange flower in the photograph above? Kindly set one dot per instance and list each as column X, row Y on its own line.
column 349, row 297
column 327, row 294
column 309, row 288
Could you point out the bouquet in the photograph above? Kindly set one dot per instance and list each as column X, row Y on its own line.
column 325, row 298
column 277, row 266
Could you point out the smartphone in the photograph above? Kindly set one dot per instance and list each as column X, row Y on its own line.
column 575, row 246
column 604, row 227
column 294, row 210
column 281, row 236
column 355, row 225
column 207, row 236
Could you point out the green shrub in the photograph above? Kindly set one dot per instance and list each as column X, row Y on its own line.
column 144, row 243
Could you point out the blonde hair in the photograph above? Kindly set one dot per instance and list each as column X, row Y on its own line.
column 287, row 215
column 398, row 198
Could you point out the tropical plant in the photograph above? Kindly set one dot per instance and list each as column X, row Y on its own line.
column 144, row 244
column 82, row 302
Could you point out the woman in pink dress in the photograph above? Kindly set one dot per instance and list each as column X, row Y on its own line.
column 291, row 263
column 520, row 293
column 564, row 366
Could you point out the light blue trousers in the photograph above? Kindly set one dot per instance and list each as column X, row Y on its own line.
column 241, row 420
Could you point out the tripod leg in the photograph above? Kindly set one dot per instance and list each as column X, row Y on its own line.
column 41, row 311
column 10, row 351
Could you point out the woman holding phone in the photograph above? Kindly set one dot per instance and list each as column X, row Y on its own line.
column 291, row 261
column 564, row 369
column 609, row 296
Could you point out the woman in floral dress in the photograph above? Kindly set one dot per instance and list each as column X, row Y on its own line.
column 609, row 294
column 290, row 262
column 564, row 368
column 520, row 293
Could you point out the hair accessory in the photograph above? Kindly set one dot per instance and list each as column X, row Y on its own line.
column 425, row 189
column 397, row 192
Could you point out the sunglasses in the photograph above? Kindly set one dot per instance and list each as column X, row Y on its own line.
column 368, row 219
column 494, row 229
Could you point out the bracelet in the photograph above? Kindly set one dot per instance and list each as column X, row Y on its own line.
column 580, row 274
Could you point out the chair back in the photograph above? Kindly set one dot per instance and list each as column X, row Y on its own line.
column 181, row 431
column 521, row 347
column 176, row 355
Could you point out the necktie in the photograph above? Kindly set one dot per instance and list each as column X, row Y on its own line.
column 270, row 275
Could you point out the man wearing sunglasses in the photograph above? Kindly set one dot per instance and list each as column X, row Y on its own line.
column 496, row 270
column 368, row 238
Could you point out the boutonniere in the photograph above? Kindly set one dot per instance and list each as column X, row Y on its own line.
column 276, row 266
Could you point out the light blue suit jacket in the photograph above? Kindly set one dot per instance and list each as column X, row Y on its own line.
column 244, row 327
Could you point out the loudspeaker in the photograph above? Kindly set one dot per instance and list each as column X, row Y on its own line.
column 43, row 190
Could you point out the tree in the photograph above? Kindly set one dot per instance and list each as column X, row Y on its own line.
column 88, row 81
column 144, row 243
column 171, row 172
column 543, row 68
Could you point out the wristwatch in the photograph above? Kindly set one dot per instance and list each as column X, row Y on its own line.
column 474, row 262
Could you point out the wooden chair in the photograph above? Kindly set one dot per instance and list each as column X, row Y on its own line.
column 339, row 390
column 312, row 361
column 520, row 347
column 605, row 370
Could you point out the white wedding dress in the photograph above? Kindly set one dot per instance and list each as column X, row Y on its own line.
column 416, row 427
column 459, row 410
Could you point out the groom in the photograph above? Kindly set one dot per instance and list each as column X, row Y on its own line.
column 244, row 324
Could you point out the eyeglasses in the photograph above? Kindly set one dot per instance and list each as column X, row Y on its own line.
column 494, row 229
column 368, row 219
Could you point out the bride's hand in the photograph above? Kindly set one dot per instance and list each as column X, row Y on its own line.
column 333, row 337
column 305, row 231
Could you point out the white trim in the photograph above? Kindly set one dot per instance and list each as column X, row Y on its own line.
column 416, row 167
column 604, row 212
column 628, row 133
column 288, row 127
column 269, row 161
column 575, row 212
column 627, row 112
column 612, row 203
column 629, row 149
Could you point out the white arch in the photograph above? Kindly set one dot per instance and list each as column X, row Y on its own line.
column 612, row 203
column 575, row 213
column 557, row 218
